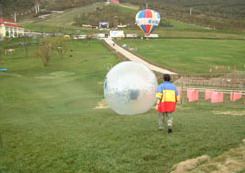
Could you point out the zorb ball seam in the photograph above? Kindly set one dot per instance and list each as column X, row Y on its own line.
column 130, row 88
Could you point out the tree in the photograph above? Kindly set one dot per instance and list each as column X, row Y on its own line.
column 51, row 45
column 26, row 43
column 44, row 54
column 7, row 33
column 58, row 44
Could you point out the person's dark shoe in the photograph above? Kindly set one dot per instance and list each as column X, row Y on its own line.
column 170, row 130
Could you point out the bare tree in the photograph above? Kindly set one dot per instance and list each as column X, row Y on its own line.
column 52, row 45
column 58, row 45
column 44, row 54
column 26, row 44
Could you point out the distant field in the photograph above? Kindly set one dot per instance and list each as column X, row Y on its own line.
column 48, row 124
column 183, row 26
column 59, row 21
column 130, row 6
column 191, row 55
column 66, row 19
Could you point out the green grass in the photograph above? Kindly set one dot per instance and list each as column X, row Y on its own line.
column 48, row 124
column 59, row 22
column 189, row 34
column 191, row 55
column 128, row 8
column 184, row 26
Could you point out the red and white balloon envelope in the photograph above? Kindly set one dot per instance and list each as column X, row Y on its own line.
column 147, row 20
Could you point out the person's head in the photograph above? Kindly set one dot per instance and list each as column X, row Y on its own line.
column 166, row 77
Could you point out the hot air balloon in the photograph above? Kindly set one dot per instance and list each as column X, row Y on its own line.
column 147, row 20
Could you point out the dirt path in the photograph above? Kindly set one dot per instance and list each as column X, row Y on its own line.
column 135, row 58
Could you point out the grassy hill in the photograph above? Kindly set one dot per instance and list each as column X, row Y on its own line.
column 69, row 21
column 26, row 8
column 221, row 14
column 191, row 55
column 60, row 22
column 20, row 6
column 113, row 14
column 48, row 122
column 209, row 51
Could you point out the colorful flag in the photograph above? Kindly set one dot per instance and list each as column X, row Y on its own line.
column 235, row 96
column 192, row 95
column 188, row 92
column 217, row 97
column 208, row 93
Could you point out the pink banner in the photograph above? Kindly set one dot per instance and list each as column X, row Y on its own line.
column 217, row 97
column 235, row 96
column 192, row 95
column 208, row 93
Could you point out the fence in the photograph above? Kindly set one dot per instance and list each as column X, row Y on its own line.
column 212, row 89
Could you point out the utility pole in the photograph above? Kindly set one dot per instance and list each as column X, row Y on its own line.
column 146, row 5
column 15, row 17
column 190, row 11
column 37, row 8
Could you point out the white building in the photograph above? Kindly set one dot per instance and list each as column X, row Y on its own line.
column 9, row 28
column 117, row 34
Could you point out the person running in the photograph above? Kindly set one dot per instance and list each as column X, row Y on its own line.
column 167, row 96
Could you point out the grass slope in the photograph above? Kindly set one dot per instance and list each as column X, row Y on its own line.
column 191, row 55
column 108, row 13
column 60, row 22
column 48, row 124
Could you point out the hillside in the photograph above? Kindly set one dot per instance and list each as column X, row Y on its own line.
column 48, row 122
column 26, row 8
column 113, row 14
column 9, row 7
column 220, row 14
column 61, row 22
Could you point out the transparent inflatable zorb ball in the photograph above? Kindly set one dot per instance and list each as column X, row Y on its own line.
column 130, row 88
